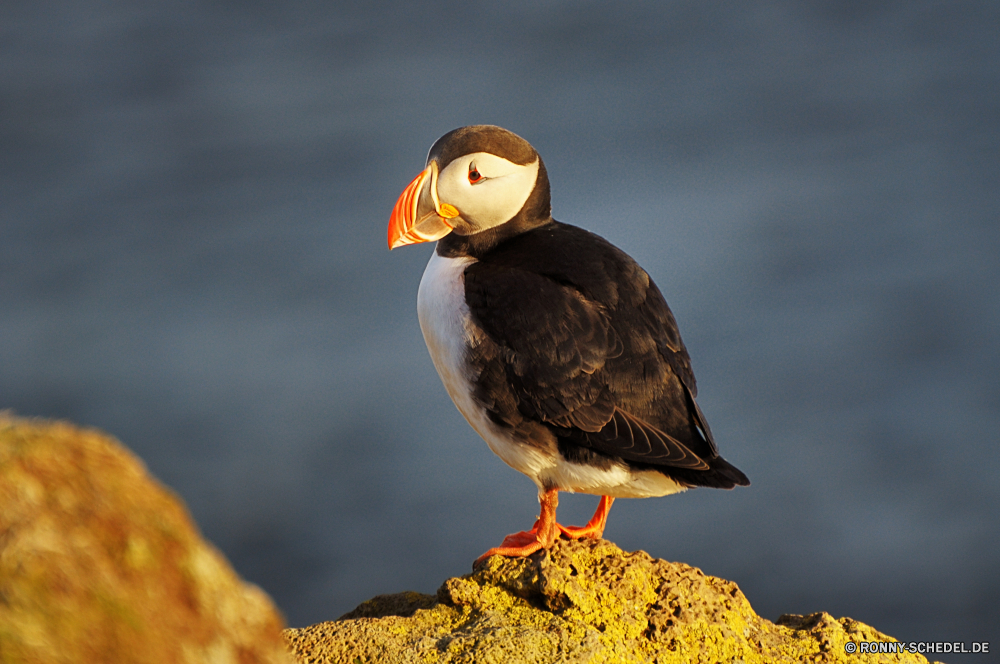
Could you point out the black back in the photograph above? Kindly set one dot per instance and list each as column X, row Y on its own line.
column 580, row 340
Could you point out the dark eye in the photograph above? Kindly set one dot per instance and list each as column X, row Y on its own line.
column 474, row 175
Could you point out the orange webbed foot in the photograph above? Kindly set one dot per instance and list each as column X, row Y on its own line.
column 546, row 530
column 595, row 527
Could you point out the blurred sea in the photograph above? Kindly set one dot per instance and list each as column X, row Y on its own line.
column 193, row 202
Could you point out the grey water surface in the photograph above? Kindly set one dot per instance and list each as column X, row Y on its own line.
column 193, row 204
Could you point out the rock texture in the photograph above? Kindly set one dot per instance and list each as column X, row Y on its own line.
column 585, row 601
column 99, row 563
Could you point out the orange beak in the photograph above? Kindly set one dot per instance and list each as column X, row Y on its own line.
column 418, row 216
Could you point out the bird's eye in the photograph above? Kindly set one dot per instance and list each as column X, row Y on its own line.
column 474, row 175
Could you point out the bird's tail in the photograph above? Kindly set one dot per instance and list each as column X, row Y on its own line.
column 720, row 475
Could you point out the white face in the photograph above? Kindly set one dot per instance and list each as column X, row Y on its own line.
column 487, row 190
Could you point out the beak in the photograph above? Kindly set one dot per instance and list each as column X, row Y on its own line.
column 418, row 215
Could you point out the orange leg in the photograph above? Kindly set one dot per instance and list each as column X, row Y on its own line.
column 545, row 531
column 595, row 527
column 541, row 536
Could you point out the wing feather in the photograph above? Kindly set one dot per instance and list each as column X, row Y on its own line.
column 588, row 347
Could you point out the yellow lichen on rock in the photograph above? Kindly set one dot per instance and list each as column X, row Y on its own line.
column 100, row 563
column 585, row 601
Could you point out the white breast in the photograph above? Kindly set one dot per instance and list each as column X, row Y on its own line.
column 444, row 320
column 450, row 332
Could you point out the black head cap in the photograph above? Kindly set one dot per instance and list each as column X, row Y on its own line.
column 482, row 138
column 537, row 210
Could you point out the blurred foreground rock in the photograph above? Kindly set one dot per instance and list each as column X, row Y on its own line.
column 585, row 601
column 100, row 563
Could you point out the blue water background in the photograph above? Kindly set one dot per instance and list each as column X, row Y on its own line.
column 193, row 202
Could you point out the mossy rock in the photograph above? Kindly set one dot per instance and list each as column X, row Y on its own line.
column 101, row 563
column 585, row 601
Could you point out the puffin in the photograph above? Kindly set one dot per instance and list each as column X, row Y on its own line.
column 556, row 347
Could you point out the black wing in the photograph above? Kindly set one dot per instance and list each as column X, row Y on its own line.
column 579, row 338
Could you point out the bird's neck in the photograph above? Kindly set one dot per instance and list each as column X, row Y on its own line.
column 479, row 244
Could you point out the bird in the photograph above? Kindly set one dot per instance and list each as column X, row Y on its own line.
column 555, row 345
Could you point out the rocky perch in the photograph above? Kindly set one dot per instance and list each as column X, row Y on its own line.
column 584, row 601
column 100, row 563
